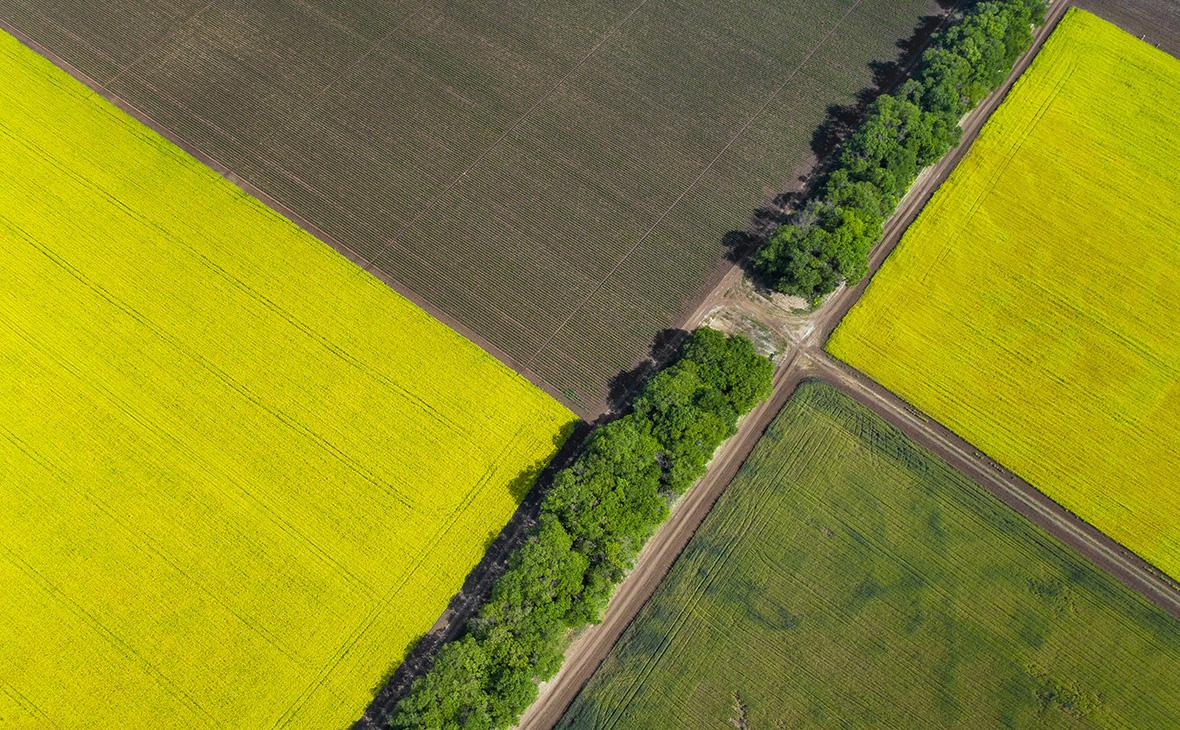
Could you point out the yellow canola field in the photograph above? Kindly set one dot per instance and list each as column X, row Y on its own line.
column 238, row 475
column 1033, row 306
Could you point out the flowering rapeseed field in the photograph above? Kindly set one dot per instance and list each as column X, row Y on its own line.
column 238, row 475
column 1032, row 307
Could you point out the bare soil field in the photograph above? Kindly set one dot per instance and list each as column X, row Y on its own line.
column 1155, row 21
column 561, row 183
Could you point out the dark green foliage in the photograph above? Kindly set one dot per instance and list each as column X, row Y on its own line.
column 829, row 240
column 850, row 579
column 973, row 57
column 731, row 366
column 452, row 692
column 593, row 523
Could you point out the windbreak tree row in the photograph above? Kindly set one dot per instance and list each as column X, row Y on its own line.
column 829, row 239
column 593, row 522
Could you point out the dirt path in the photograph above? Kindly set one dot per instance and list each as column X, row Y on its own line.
column 1008, row 487
column 592, row 645
column 805, row 360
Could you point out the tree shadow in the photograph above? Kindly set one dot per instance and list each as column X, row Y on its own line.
column 623, row 385
column 531, row 485
column 840, row 121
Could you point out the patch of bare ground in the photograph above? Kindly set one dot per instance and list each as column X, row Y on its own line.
column 1154, row 21
column 796, row 339
column 741, row 713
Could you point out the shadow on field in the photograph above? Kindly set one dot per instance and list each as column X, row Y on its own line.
column 532, row 484
column 841, row 120
column 624, row 385
column 887, row 76
column 739, row 247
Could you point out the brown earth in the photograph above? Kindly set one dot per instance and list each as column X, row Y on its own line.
column 560, row 182
column 805, row 359
column 1155, row 21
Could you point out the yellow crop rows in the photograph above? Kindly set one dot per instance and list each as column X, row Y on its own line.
column 1032, row 307
column 238, row 475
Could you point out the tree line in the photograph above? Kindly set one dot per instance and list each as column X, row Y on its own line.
column 829, row 239
column 593, row 521
column 601, row 510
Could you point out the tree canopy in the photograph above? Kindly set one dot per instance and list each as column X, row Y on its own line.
column 593, row 522
column 829, row 239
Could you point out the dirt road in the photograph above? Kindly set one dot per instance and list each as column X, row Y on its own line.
column 590, row 648
column 1008, row 487
column 808, row 360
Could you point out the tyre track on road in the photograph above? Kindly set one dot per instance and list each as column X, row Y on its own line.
column 1018, row 494
column 808, row 361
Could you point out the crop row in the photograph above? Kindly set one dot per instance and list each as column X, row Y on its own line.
column 829, row 239
column 847, row 578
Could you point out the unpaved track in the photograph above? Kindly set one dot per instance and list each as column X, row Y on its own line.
column 1009, row 488
column 808, row 361
column 592, row 645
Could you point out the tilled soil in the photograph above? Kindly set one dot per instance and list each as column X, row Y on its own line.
column 1155, row 21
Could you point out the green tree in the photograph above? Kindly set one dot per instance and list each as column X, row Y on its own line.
column 830, row 240
column 593, row 522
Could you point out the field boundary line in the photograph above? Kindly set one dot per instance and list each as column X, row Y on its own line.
column 284, row 210
column 590, row 646
column 375, row 612
column 1040, row 509
column 999, row 171
column 738, row 135
column 587, row 651
column 380, row 607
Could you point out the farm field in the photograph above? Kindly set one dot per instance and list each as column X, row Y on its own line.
column 1031, row 307
column 559, row 179
column 238, row 475
column 847, row 578
column 1157, row 21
